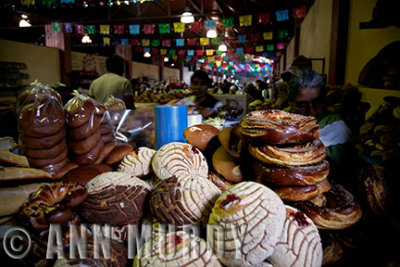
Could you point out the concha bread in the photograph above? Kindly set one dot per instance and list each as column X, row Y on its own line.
column 137, row 162
column 179, row 159
column 183, row 200
column 253, row 217
column 300, row 243
column 176, row 249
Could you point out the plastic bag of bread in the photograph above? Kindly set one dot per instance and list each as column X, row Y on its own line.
column 116, row 108
column 41, row 129
column 88, row 129
column 137, row 127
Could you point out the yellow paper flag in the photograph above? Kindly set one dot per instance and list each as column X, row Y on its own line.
column 204, row 41
column 259, row 48
column 145, row 42
column 106, row 41
column 209, row 52
column 245, row 20
column 174, row 57
column 268, row 35
column 210, row 59
column 179, row 27
column 104, row 29
column 163, row 51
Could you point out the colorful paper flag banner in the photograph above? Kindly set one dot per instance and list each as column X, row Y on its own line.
column 263, row 18
column 239, row 50
column 166, row 42
column 106, row 40
column 210, row 52
column 227, row 22
column 134, row 29
column 250, row 49
column 245, row 20
column 104, row 29
column 282, row 15
column 138, row 49
column 190, row 52
column 299, row 12
column 119, row 29
column 79, row 28
column 164, row 28
column 270, row 47
column 27, row 2
column 135, row 42
column 211, row 24
column 90, row 29
column 124, row 41
column 210, row 59
column 68, row 27
column 154, row 51
column 259, row 48
column 174, row 57
column 204, row 41
column 188, row 58
column 172, row 52
column 280, row 46
column 195, row 26
column 242, row 38
column 55, row 26
column 146, row 49
column 282, row 34
column 268, row 35
column 199, row 52
column 180, row 42
column 216, row 41
column 181, row 52
column 145, row 42
column 192, row 41
column 48, row 2
column 179, row 27
column 155, row 43
column 254, row 37
column 149, row 28
column 163, row 51
column 67, row 1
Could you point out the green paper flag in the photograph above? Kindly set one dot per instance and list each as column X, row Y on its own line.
column 227, row 22
column 172, row 52
column 282, row 34
column 55, row 26
column 270, row 47
column 90, row 29
column 164, row 28
column 155, row 43
column 218, row 53
column 48, row 2
column 216, row 41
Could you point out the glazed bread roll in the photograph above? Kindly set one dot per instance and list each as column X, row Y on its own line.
column 200, row 135
column 85, row 173
column 179, row 159
column 115, row 198
column 183, row 200
column 45, row 142
column 300, row 243
column 137, row 162
column 253, row 217
column 118, row 153
column 302, row 193
column 226, row 166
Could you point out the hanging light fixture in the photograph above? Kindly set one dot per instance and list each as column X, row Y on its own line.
column 166, row 59
column 211, row 33
column 222, row 48
column 86, row 39
column 147, row 54
column 24, row 22
column 187, row 17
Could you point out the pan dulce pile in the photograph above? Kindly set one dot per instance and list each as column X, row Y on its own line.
column 258, row 194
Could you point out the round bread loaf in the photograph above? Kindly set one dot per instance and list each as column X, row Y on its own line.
column 85, row 145
column 226, row 165
column 302, row 193
column 179, row 159
column 291, row 176
column 231, row 140
column 300, row 243
column 37, row 94
column 176, row 249
column 183, row 200
column 45, row 142
column 295, row 155
column 85, row 173
column 115, row 198
column 118, row 153
column 68, row 166
column 109, row 137
column 79, row 110
column 90, row 157
column 279, row 127
column 108, row 147
column 200, row 135
column 137, row 162
column 252, row 217
column 86, row 129
column 40, row 163
column 47, row 152
column 105, row 128
column 41, row 119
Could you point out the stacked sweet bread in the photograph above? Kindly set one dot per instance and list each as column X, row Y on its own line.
column 288, row 156
column 42, row 131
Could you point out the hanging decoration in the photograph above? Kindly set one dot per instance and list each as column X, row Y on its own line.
column 263, row 18
column 155, row 42
column 164, row 28
column 270, row 47
column 134, row 29
column 27, row 2
column 146, row 49
column 268, row 35
column 227, row 22
column 67, row 1
column 180, row 42
column 163, row 51
column 125, row 41
column 190, row 53
column 192, row 41
column 119, row 29
column 179, row 27
column 250, row 49
column 216, row 41
column 282, row 34
column 138, row 49
column 245, row 20
column 211, row 24
column 154, row 51
column 149, row 28
column 48, row 2
column 259, row 48
column 204, row 41
column 166, row 42
column 79, row 28
column 135, row 42
column 172, row 52
column 299, row 12
column 145, row 42
column 195, row 26
column 68, row 27
column 106, row 40
column 239, row 50
column 282, row 15
column 55, row 26
column 90, row 29
column 174, row 57
column 242, row 38
column 199, row 52
column 104, row 29
column 209, row 52
column 181, row 52
column 254, row 37
column 280, row 46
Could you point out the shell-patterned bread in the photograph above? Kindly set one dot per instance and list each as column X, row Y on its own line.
column 183, row 200
column 176, row 249
column 179, row 159
column 137, row 162
column 115, row 198
column 300, row 243
column 252, row 217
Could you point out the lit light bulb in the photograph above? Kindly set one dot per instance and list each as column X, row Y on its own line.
column 211, row 34
column 187, row 17
column 222, row 48
column 86, row 39
column 147, row 54
column 166, row 59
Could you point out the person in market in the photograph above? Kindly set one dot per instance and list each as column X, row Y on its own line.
column 203, row 102
column 306, row 96
column 113, row 84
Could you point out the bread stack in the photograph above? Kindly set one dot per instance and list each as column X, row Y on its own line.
column 42, row 131
column 287, row 154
